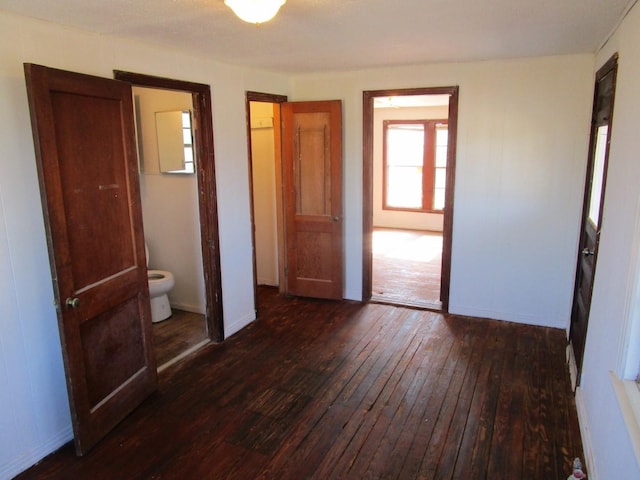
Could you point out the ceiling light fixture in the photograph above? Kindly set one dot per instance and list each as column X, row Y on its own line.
column 255, row 11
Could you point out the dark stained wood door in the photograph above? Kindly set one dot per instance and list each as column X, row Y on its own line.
column 312, row 184
column 84, row 140
column 596, row 180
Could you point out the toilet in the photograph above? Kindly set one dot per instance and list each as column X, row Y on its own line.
column 160, row 282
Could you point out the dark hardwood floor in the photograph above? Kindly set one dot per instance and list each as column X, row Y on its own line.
column 328, row 390
column 407, row 267
column 177, row 334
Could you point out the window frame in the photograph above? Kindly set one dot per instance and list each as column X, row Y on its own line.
column 428, row 163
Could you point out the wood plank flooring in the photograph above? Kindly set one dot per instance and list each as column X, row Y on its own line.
column 177, row 334
column 340, row 390
column 406, row 267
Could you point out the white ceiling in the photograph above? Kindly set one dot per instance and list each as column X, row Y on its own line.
column 320, row 35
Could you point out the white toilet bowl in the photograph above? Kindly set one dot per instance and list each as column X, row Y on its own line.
column 160, row 282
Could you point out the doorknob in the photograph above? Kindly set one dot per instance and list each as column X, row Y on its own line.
column 586, row 251
column 72, row 302
column 336, row 218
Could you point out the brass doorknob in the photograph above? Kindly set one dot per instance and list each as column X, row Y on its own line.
column 72, row 302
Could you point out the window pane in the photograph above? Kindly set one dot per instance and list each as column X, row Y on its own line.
column 438, row 199
column 442, row 135
column 598, row 173
column 186, row 119
column 405, row 145
column 188, row 154
column 441, row 178
column 186, row 136
column 404, row 187
column 441, row 156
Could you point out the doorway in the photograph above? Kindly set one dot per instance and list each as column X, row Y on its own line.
column 265, row 182
column 408, row 180
column 306, row 167
column 169, row 196
column 180, row 213
column 592, row 210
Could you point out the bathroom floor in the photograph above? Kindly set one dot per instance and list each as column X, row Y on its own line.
column 178, row 333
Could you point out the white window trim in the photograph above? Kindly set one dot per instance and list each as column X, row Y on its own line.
column 629, row 399
column 624, row 379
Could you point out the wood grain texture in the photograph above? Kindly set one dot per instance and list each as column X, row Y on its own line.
column 333, row 389
column 177, row 334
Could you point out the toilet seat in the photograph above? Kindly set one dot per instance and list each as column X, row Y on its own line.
column 160, row 282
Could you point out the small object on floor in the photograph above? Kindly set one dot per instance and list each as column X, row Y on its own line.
column 577, row 471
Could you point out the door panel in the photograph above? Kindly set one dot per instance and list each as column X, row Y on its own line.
column 312, row 183
column 86, row 157
column 592, row 207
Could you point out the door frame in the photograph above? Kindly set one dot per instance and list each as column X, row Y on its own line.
column 266, row 98
column 609, row 67
column 206, row 179
column 367, row 184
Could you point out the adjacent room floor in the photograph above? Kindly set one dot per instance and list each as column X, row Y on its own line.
column 406, row 267
column 337, row 389
column 177, row 334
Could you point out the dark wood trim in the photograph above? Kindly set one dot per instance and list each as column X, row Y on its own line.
column 367, row 183
column 267, row 98
column 447, row 233
column 205, row 168
column 577, row 340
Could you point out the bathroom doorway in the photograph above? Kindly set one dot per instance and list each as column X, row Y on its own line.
column 180, row 234
column 409, row 139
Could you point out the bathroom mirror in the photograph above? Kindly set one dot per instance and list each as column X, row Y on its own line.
column 175, row 141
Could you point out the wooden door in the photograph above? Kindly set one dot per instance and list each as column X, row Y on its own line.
column 312, row 184
column 592, row 207
column 86, row 158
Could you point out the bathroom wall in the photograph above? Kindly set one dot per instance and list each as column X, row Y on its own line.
column 395, row 218
column 264, row 192
column 169, row 204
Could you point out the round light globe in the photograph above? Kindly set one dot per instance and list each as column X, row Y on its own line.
column 255, row 11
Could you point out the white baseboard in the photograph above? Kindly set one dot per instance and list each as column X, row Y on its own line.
column 585, row 433
column 526, row 319
column 234, row 327
column 22, row 463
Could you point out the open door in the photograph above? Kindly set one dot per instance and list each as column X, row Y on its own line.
column 312, row 192
column 84, row 140
column 592, row 207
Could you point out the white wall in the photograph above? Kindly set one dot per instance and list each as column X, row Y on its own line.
column 521, row 156
column 170, row 207
column 264, row 193
column 34, row 418
column 609, row 339
column 398, row 218
column 522, row 145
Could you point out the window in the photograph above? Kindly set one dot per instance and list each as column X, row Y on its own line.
column 175, row 141
column 187, row 140
column 415, row 164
